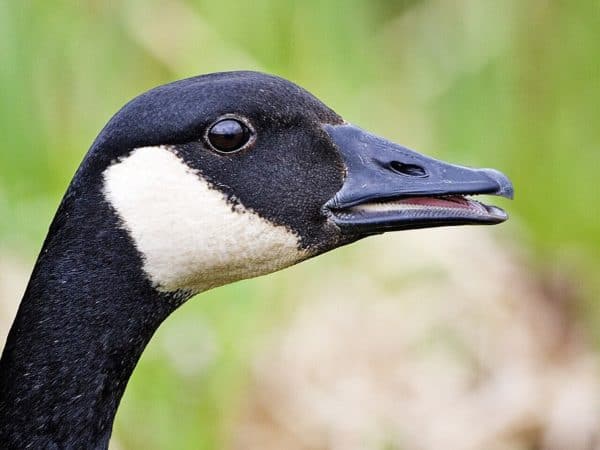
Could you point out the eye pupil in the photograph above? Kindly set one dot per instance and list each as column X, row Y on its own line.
column 228, row 135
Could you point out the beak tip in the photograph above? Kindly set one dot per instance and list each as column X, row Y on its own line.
column 505, row 186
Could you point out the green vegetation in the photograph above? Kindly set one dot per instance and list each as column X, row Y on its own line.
column 513, row 85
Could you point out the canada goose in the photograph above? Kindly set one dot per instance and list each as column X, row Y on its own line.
column 190, row 186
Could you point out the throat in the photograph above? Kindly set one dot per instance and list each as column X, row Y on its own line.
column 82, row 325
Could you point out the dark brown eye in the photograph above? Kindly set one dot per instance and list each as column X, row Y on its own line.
column 228, row 135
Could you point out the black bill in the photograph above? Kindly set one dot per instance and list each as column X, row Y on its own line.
column 389, row 187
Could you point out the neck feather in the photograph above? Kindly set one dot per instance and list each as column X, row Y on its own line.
column 82, row 325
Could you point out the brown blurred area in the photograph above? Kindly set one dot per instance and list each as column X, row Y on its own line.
column 428, row 340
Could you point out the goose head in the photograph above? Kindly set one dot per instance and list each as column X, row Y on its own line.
column 233, row 175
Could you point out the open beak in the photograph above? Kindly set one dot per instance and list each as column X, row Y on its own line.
column 389, row 187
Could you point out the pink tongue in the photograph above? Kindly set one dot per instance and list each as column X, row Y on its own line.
column 456, row 201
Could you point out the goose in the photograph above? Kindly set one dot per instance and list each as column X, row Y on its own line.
column 190, row 186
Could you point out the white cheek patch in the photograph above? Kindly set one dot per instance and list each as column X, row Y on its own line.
column 190, row 237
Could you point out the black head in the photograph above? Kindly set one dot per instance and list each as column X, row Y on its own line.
column 287, row 169
column 271, row 149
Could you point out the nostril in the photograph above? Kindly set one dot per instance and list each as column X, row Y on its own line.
column 412, row 170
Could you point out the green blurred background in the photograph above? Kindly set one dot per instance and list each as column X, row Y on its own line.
column 508, row 84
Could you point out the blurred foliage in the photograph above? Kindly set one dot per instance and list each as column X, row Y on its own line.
column 512, row 85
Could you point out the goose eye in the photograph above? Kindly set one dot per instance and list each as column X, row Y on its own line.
column 228, row 135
